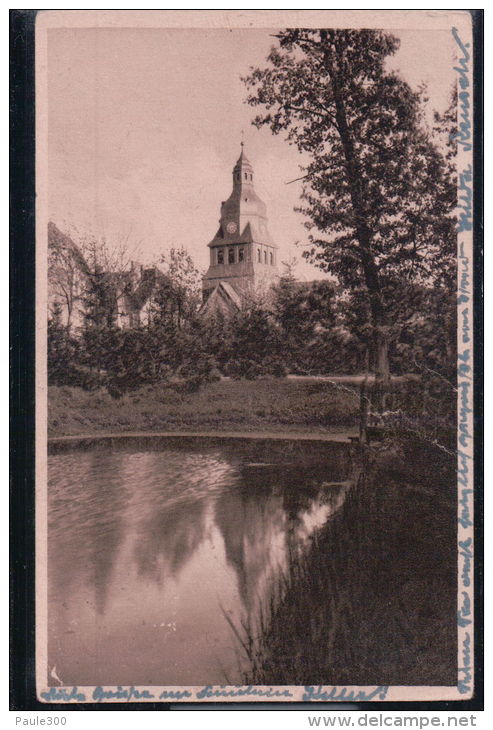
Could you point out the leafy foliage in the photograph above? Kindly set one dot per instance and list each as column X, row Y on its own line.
column 62, row 350
column 378, row 194
column 166, row 346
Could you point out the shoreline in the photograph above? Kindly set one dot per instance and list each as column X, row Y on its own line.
column 342, row 436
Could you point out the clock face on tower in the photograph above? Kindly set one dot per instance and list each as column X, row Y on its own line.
column 231, row 227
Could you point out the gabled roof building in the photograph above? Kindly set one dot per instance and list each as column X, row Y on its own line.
column 128, row 293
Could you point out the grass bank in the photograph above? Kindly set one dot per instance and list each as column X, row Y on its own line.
column 374, row 600
column 275, row 405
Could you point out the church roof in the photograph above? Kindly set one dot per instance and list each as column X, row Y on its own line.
column 250, row 234
column 242, row 161
column 243, row 215
column 232, row 293
column 223, row 298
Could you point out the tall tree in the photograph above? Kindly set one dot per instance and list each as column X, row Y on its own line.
column 106, row 277
column 179, row 293
column 445, row 135
column 306, row 316
column 369, row 187
column 61, row 351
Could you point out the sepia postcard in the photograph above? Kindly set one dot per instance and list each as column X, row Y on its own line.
column 254, row 343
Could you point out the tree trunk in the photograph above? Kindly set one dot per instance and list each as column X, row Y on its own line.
column 363, row 412
column 382, row 371
column 363, row 233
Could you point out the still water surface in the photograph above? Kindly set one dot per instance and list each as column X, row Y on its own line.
column 149, row 549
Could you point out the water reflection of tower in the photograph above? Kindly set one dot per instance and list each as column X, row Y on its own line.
column 252, row 523
column 167, row 537
column 171, row 509
column 270, row 517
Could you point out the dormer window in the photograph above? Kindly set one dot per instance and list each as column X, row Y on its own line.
column 241, row 254
column 220, row 256
column 231, row 256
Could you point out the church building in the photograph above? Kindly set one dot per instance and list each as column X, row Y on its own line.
column 243, row 256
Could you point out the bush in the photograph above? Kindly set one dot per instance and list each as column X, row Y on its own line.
column 245, row 368
column 276, row 367
column 89, row 380
column 214, row 375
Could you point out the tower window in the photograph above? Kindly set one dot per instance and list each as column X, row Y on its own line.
column 259, row 256
column 241, row 255
column 220, row 257
column 265, row 257
column 246, row 176
column 231, row 256
column 271, row 259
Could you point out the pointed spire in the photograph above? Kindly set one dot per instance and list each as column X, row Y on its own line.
column 242, row 145
column 243, row 161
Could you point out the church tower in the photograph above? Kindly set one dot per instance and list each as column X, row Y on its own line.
column 243, row 256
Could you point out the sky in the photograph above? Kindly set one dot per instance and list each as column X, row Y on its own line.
column 145, row 126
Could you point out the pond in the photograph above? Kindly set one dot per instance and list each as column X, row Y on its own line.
column 157, row 548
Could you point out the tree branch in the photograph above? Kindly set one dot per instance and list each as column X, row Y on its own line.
column 300, row 178
column 312, row 111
